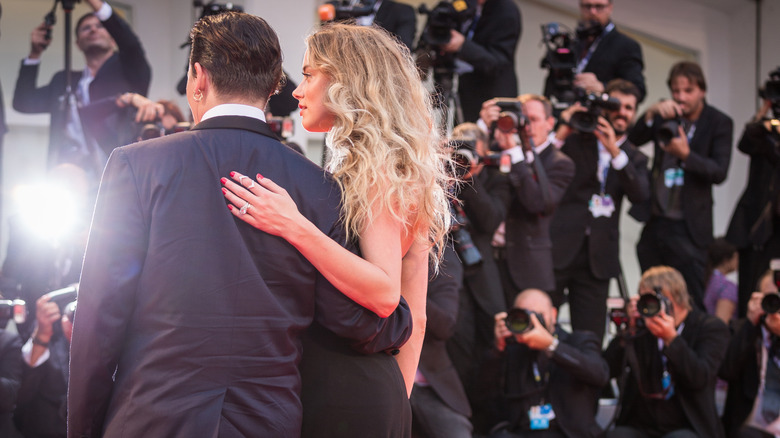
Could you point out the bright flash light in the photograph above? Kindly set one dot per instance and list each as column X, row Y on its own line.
column 50, row 211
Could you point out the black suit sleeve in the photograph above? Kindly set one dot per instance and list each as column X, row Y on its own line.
column 131, row 54
column 10, row 370
column 741, row 348
column 114, row 258
column 641, row 133
column 714, row 167
column 528, row 190
column 496, row 51
column 582, row 359
column 634, row 178
column 695, row 365
column 630, row 65
column 486, row 208
column 442, row 303
column 28, row 98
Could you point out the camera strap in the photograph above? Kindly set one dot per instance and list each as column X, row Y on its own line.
column 586, row 59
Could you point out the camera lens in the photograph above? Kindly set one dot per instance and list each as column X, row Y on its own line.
column 771, row 303
column 648, row 305
column 518, row 321
column 667, row 131
column 507, row 122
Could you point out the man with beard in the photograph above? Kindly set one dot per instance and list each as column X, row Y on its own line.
column 692, row 152
column 603, row 53
column 585, row 228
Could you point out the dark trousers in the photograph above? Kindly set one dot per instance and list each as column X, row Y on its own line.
column 432, row 418
column 586, row 294
column 667, row 242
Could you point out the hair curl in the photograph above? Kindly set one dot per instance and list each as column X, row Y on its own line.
column 385, row 150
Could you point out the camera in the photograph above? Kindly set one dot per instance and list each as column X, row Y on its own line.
column 518, row 320
column 149, row 131
column 511, row 116
column 12, row 309
column 442, row 19
column 212, row 8
column 63, row 297
column 650, row 305
column 345, row 9
column 668, row 130
column 771, row 303
column 464, row 155
column 461, row 238
column 281, row 126
column 587, row 121
column 771, row 91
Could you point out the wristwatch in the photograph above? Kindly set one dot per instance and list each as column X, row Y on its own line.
column 553, row 346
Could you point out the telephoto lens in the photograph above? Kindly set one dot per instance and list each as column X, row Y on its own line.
column 649, row 305
column 771, row 303
column 519, row 320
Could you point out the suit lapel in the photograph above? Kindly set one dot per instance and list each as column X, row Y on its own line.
column 237, row 122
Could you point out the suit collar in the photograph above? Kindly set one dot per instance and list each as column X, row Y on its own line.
column 237, row 122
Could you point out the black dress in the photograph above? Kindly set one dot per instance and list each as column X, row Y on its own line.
column 348, row 394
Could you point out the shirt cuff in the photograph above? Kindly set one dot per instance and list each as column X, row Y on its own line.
column 619, row 162
column 483, row 126
column 28, row 61
column 104, row 13
column 516, row 153
column 27, row 355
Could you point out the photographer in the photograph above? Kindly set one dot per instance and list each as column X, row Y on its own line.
column 484, row 195
column 487, row 43
column 692, row 152
column 115, row 63
column 752, row 367
column 667, row 358
column 548, row 379
column 41, row 410
column 602, row 52
column 585, row 229
column 755, row 225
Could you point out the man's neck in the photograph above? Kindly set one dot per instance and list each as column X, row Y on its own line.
column 694, row 116
column 96, row 60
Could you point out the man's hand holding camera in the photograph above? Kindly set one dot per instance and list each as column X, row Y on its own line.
column 455, row 43
column 47, row 313
column 39, row 41
column 756, row 310
column 667, row 110
column 589, row 82
column 536, row 337
column 662, row 326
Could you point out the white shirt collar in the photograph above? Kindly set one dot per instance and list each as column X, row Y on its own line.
column 234, row 109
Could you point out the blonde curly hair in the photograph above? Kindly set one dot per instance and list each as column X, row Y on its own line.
column 384, row 146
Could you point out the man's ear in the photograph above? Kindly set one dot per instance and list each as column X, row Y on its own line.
column 201, row 77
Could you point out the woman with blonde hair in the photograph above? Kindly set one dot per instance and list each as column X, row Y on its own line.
column 361, row 86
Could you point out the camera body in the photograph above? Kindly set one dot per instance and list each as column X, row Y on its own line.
column 63, row 297
column 12, row 309
column 669, row 129
column 511, row 116
column 771, row 91
column 587, row 121
column 650, row 305
column 212, row 8
column 561, row 58
column 442, row 19
column 518, row 320
column 461, row 238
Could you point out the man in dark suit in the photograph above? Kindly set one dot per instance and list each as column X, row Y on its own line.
column 752, row 371
column 690, row 156
column 487, row 44
column 546, row 380
column 189, row 320
column 672, row 362
column 439, row 404
column 605, row 53
column 585, row 229
column 115, row 63
column 398, row 19
column 539, row 176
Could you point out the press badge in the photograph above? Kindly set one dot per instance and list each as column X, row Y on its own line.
column 674, row 177
column 540, row 416
column 601, row 205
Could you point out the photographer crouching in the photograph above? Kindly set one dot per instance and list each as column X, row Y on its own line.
column 549, row 379
column 667, row 356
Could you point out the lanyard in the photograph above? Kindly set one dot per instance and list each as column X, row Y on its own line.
column 584, row 62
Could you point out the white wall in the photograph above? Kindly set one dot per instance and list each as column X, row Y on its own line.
column 720, row 32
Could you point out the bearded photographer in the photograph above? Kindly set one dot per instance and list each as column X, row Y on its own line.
column 755, row 225
column 487, row 43
column 585, row 229
column 752, row 367
column 692, row 153
column 546, row 380
column 670, row 353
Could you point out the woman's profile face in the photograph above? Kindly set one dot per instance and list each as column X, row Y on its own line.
column 311, row 94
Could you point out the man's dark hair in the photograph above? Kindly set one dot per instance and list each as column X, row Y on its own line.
column 691, row 71
column 81, row 20
column 625, row 87
column 241, row 53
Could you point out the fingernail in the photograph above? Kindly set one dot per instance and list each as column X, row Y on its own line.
column 259, row 176
column 232, row 174
column 223, row 180
column 230, row 207
column 224, row 191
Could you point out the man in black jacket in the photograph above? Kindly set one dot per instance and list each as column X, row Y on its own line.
column 669, row 390
column 115, row 63
column 585, row 229
column 692, row 153
column 549, row 379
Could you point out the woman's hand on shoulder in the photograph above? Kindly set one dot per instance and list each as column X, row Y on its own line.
column 263, row 204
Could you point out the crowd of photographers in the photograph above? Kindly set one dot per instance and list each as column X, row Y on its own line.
column 536, row 226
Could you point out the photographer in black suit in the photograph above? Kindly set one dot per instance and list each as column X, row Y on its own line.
column 755, row 225
column 692, row 153
column 585, row 229
column 546, row 380
column 669, row 388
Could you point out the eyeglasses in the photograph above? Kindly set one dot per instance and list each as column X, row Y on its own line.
column 598, row 7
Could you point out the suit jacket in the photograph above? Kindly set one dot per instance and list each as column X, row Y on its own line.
column 398, row 19
column 442, row 311
column 573, row 221
column 741, row 369
column 693, row 359
column 125, row 71
column 189, row 320
column 491, row 52
column 577, row 372
column 10, row 380
column 41, row 407
column 707, row 164
column 528, row 243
